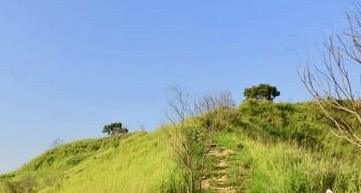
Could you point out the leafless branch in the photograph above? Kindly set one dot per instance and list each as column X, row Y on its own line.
column 333, row 84
column 190, row 143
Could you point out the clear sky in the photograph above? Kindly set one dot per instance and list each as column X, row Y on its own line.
column 69, row 67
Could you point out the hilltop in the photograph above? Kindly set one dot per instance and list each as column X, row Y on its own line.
column 258, row 146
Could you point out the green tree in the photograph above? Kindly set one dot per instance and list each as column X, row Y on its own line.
column 114, row 129
column 261, row 91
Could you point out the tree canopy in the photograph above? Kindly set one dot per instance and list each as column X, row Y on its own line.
column 261, row 91
column 114, row 129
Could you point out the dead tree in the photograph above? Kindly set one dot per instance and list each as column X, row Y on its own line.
column 189, row 142
column 335, row 84
column 210, row 107
column 178, row 110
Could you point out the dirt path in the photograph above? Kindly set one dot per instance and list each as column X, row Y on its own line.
column 219, row 180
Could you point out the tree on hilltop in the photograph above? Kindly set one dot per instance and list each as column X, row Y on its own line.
column 261, row 91
column 115, row 128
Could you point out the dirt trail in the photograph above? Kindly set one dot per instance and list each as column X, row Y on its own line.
column 219, row 181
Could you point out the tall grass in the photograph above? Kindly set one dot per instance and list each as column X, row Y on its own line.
column 138, row 162
column 283, row 167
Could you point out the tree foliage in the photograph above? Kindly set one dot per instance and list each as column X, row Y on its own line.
column 115, row 128
column 261, row 91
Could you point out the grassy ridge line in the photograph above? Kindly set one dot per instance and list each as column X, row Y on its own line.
column 138, row 162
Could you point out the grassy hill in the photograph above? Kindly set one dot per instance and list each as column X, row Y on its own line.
column 260, row 147
column 136, row 162
column 281, row 148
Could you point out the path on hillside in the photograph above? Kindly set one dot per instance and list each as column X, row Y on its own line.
column 219, row 182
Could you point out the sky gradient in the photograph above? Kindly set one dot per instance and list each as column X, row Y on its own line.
column 69, row 67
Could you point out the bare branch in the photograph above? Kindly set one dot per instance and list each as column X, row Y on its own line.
column 191, row 143
column 331, row 84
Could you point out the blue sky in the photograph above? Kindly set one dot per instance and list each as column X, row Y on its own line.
column 69, row 67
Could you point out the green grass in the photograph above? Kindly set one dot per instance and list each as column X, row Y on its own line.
column 283, row 167
column 283, row 147
column 137, row 162
column 277, row 148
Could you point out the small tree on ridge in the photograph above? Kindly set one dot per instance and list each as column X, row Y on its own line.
column 114, row 129
column 261, row 91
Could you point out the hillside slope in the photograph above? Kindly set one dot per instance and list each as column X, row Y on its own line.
column 281, row 148
column 136, row 162
column 258, row 147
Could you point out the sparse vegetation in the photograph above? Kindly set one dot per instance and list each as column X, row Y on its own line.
column 334, row 83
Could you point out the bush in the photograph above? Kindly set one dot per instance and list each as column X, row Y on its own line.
column 25, row 185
